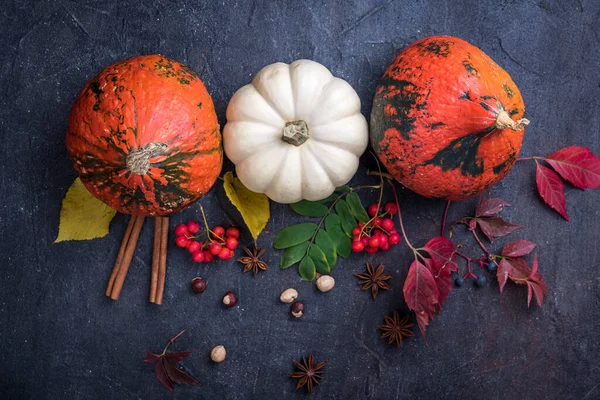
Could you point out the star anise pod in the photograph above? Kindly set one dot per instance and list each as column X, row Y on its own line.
column 373, row 279
column 308, row 373
column 395, row 328
column 252, row 260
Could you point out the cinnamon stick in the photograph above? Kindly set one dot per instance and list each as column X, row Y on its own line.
column 155, row 258
column 162, row 266
column 127, row 256
column 117, row 266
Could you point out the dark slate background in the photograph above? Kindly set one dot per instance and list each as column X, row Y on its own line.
column 62, row 338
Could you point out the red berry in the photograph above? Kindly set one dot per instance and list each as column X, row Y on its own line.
column 224, row 253
column 377, row 232
column 361, row 224
column 383, row 241
column 193, row 246
column 377, row 222
column 208, row 257
column 233, row 232
column 231, row 243
column 384, row 248
column 181, row 230
column 387, row 224
column 198, row 256
column 373, row 210
column 356, row 232
column 365, row 240
column 374, row 241
column 218, row 232
column 193, row 227
column 214, row 248
column 391, row 208
column 357, row 246
column 394, row 238
column 372, row 250
column 181, row 241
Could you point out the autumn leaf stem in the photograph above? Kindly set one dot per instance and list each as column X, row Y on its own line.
column 485, row 250
column 445, row 217
column 391, row 182
column 172, row 340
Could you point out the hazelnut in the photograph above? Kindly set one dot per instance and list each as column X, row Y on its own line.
column 230, row 299
column 218, row 354
column 325, row 283
column 198, row 285
column 297, row 309
column 288, row 295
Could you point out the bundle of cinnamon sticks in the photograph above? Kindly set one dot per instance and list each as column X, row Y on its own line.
column 159, row 258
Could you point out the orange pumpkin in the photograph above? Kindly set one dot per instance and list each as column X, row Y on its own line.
column 447, row 122
column 143, row 136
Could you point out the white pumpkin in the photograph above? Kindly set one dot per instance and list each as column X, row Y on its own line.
column 296, row 132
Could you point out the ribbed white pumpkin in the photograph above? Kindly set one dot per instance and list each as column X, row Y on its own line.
column 267, row 124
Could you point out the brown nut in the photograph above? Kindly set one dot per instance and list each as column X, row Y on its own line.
column 325, row 283
column 288, row 295
column 297, row 309
column 230, row 299
column 198, row 285
column 218, row 354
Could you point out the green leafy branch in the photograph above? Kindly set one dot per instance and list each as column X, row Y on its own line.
column 316, row 246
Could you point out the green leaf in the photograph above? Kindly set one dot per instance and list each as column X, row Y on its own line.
column 343, row 189
column 309, row 208
column 346, row 218
column 293, row 254
column 326, row 244
column 343, row 244
column 293, row 235
column 356, row 207
column 307, row 269
column 318, row 257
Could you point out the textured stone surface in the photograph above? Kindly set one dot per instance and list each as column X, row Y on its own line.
column 62, row 338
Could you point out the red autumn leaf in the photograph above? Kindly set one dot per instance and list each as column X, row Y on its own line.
column 551, row 188
column 441, row 264
column 494, row 227
column 518, row 249
column 517, row 270
column 421, row 293
column 490, row 207
column 441, row 251
column 166, row 372
column 578, row 165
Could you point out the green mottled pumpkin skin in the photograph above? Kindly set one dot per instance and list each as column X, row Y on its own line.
column 433, row 117
column 146, row 102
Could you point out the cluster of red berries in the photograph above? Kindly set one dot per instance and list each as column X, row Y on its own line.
column 220, row 243
column 377, row 234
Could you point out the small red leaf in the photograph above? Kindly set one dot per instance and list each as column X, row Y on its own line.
column 517, row 270
column 494, row 227
column 162, row 376
column 178, row 376
column 518, row 249
column 489, row 207
column 151, row 358
column 578, row 165
column 177, row 356
column 441, row 251
column 421, row 293
column 551, row 188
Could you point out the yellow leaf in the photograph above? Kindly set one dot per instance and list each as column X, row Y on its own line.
column 82, row 216
column 254, row 207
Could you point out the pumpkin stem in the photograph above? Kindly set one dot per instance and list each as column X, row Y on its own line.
column 295, row 132
column 138, row 161
column 503, row 121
